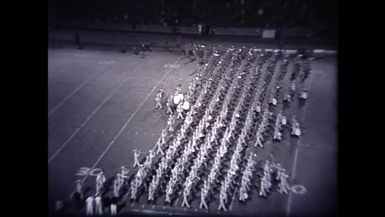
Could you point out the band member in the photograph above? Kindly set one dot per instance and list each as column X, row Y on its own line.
column 136, row 156
column 169, row 105
column 158, row 99
column 100, row 180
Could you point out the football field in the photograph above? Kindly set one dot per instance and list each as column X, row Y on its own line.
column 102, row 107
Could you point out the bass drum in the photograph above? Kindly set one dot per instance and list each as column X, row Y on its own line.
column 178, row 98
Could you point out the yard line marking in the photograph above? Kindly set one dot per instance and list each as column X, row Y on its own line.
column 294, row 168
column 232, row 201
column 288, row 206
column 307, row 100
column 73, row 93
column 90, row 116
column 130, row 118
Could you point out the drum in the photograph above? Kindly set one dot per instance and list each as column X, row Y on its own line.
column 274, row 101
column 304, row 95
column 283, row 121
column 287, row 98
column 178, row 98
column 189, row 120
column 297, row 132
column 186, row 105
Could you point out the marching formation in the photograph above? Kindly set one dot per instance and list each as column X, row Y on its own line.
column 235, row 106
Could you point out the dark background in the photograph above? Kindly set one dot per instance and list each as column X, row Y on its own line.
column 319, row 15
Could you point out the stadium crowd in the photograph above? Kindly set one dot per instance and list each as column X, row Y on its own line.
column 242, row 13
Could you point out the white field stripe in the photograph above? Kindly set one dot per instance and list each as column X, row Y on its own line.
column 288, row 206
column 294, row 168
column 307, row 100
column 232, row 201
column 130, row 118
column 89, row 117
column 72, row 93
